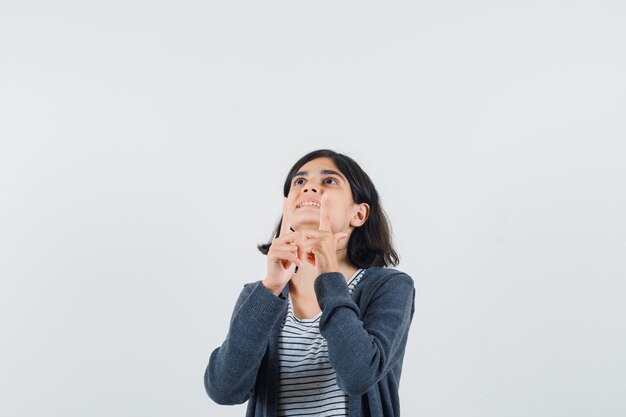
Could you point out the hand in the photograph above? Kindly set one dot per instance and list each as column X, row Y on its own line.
column 282, row 254
column 319, row 247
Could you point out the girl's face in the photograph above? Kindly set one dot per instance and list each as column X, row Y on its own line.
column 318, row 177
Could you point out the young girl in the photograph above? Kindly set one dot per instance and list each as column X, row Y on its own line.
column 324, row 333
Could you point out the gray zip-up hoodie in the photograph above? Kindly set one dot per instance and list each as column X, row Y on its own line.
column 366, row 335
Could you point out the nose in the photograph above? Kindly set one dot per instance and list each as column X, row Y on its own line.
column 309, row 187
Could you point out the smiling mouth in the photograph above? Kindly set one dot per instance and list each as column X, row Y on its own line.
column 308, row 204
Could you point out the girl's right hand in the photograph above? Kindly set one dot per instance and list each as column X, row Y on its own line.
column 282, row 255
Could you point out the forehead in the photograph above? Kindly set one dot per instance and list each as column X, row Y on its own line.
column 319, row 166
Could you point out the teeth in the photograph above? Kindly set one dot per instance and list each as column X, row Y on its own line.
column 309, row 203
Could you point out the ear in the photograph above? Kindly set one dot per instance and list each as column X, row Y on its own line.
column 361, row 214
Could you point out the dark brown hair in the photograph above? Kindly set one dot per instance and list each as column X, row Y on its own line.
column 370, row 244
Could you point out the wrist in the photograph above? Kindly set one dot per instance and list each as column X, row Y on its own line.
column 271, row 289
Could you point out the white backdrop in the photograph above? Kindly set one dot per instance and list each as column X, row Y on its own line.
column 143, row 149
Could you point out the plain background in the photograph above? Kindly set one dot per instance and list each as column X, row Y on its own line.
column 143, row 151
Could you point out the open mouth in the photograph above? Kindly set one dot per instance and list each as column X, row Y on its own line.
column 308, row 205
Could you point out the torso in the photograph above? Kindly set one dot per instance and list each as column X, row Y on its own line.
column 307, row 381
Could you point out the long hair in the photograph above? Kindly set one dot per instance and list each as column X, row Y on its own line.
column 370, row 244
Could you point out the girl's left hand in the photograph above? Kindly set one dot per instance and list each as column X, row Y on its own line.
column 319, row 247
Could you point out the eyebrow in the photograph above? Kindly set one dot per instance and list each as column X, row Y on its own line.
column 323, row 171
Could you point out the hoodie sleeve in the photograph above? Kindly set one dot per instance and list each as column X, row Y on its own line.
column 362, row 351
column 230, row 376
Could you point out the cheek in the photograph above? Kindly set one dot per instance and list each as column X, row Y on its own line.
column 340, row 215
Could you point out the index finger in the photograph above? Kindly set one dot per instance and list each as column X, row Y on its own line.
column 285, row 226
column 324, row 214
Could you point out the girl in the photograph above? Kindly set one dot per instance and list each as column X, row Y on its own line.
column 324, row 333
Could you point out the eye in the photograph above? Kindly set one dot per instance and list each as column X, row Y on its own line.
column 295, row 182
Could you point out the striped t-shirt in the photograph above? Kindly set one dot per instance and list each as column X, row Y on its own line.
column 308, row 385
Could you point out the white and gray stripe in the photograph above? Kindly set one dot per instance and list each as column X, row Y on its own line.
column 308, row 385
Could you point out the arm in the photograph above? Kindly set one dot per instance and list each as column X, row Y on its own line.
column 232, row 370
column 362, row 352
